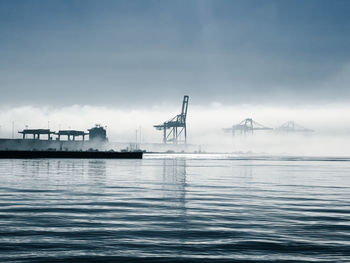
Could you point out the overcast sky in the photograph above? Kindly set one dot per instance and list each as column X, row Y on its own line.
column 132, row 53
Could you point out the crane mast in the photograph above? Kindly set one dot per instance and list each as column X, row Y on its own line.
column 175, row 130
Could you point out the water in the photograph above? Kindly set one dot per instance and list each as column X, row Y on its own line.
column 184, row 209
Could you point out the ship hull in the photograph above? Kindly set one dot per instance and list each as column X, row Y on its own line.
column 69, row 155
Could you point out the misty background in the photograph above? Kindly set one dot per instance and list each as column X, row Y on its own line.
column 127, row 65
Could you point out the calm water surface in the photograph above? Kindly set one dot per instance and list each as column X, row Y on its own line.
column 184, row 209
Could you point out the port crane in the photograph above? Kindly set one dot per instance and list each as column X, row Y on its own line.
column 174, row 130
column 291, row 126
column 246, row 126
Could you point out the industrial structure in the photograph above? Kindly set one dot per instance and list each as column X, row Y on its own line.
column 96, row 133
column 246, row 126
column 36, row 133
column 71, row 133
column 174, row 130
column 291, row 126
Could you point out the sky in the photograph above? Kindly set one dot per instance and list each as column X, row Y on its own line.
column 71, row 64
column 135, row 54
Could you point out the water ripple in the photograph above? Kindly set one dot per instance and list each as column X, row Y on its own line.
column 175, row 210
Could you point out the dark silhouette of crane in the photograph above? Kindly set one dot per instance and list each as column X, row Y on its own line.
column 246, row 126
column 175, row 129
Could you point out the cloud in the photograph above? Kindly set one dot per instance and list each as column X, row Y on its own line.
column 116, row 52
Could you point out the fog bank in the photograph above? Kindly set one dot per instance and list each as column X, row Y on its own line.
column 330, row 122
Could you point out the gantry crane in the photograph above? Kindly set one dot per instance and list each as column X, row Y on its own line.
column 291, row 126
column 246, row 126
column 174, row 130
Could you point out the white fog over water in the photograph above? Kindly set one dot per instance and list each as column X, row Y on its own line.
column 331, row 125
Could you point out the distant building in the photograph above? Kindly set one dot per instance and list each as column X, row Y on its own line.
column 98, row 133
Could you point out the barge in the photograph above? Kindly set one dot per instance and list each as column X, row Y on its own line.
column 20, row 154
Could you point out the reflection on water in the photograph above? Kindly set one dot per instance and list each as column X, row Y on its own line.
column 174, row 180
column 173, row 209
column 174, row 190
